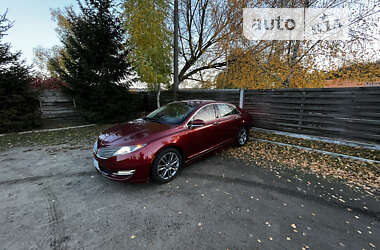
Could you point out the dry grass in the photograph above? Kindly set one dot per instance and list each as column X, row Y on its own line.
column 355, row 173
column 341, row 149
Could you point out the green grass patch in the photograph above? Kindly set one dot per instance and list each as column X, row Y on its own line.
column 73, row 137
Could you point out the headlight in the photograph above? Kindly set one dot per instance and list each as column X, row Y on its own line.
column 128, row 149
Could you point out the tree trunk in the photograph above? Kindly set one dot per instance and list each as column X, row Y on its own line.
column 158, row 95
column 175, row 60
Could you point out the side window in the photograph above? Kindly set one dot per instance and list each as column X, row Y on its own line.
column 206, row 114
column 226, row 110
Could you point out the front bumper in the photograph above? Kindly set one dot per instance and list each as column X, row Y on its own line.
column 133, row 167
column 122, row 175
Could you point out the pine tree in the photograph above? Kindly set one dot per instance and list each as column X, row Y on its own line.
column 19, row 106
column 93, row 60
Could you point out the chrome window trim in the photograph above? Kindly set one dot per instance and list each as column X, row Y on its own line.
column 214, row 103
column 196, row 112
column 205, row 107
column 231, row 105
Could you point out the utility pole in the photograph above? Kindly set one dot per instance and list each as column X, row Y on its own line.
column 175, row 61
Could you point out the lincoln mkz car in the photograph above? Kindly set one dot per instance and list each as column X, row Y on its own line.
column 158, row 145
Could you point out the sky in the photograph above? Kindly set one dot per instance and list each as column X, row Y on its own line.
column 33, row 25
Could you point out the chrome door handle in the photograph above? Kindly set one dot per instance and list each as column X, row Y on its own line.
column 215, row 123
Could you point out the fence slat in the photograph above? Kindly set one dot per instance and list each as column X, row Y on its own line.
column 350, row 113
column 56, row 105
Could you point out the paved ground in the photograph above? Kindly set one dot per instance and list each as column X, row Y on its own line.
column 52, row 198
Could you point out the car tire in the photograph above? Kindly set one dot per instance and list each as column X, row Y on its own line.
column 242, row 137
column 166, row 165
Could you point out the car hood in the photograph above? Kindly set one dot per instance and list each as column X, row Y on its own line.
column 134, row 132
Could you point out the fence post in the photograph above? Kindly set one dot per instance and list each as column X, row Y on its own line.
column 241, row 101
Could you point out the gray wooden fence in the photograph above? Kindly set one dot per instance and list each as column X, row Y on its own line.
column 345, row 113
column 57, row 106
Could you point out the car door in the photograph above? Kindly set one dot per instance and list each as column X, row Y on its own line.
column 200, row 139
column 229, row 119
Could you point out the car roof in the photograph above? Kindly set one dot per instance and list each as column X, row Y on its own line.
column 200, row 103
column 197, row 102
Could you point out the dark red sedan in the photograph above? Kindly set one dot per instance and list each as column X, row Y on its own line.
column 158, row 145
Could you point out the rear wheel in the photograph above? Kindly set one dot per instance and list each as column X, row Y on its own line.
column 166, row 165
column 242, row 137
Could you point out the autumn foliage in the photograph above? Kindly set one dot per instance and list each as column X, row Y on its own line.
column 360, row 72
column 48, row 83
column 261, row 64
column 260, row 70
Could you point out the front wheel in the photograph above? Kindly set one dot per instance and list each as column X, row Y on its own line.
column 242, row 137
column 166, row 165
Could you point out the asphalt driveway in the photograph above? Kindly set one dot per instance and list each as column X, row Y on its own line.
column 52, row 198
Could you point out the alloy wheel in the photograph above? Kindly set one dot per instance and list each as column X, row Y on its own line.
column 243, row 136
column 168, row 165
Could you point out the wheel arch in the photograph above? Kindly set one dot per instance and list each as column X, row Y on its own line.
column 175, row 146
column 165, row 147
column 247, row 127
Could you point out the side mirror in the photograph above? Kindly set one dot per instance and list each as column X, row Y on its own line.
column 196, row 123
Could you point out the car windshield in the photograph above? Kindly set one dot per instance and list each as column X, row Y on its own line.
column 172, row 113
